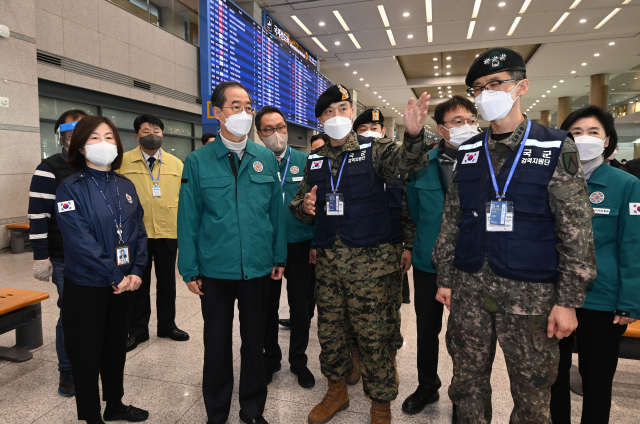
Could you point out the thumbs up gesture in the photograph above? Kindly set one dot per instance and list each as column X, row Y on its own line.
column 309, row 206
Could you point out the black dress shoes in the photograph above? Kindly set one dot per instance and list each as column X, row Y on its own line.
column 419, row 400
column 305, row 377
column 259, row 420
column 269, row 371
column 286, row 323
column 134, row 341
column 125, row 413
column 175, row 334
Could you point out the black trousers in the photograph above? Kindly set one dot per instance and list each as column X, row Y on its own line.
column 95, row 323
column 302, row 304
column 217, row 310
column 163, row 253
column 406, row 292
column 428, row 324
column 598, row 341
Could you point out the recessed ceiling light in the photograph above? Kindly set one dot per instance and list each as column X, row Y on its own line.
column 514, row 25
column 609, row 16
column 573, row 72
column 354, row 41
column 383, row 100
column 405, row 14
column 560, row 21
column 342, row 22
column 300, row 24
column 613, row 43
column 449, row 91
column 437, row 74
column 613, row 89
column 537, row 101
column 439, row 88
column 379, row 97
column 383, row 15
column 448, row 66
column 472, row 25
column 476, row 9
column 337, row 43
column 375, row 92
column 435, row 59
column 544, row 95
column 583, row 21
column 366, row 85
column 502, row 4
column 448, row 86
column 392, row 39
column 361, row 79
column 548, row 91
column 441, row 96
column 355, row 72
column 448, row 73
column 555, row 86
column 561, row 80
column 346, row 64
column 584, row 63
column 448, row 57
column 439, row 92
column 324, row 49
column 492, row 28
column 321, row 24
column 597, row 54
column 435, row 67
column 449, row 95
column 410, row 36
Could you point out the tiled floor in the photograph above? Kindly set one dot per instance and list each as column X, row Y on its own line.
column 165, row 376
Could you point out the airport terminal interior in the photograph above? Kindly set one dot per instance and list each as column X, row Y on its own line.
column 122, row 58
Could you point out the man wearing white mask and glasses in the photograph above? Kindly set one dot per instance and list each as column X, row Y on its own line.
column 343, row 189
column 232, row 239
column 426, row 191
column 515, row 251
column 272, row 130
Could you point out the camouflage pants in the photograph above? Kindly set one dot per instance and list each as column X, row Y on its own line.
column 532, row 359
column 367, row 304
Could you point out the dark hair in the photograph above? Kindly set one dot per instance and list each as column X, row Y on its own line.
column 451, row 104
column 205, row 138
column 147, row 118
column 81, row 134
column 315, row 137
column 264, row 111
column 75, row 114
column 605, row 119
column 218, row 97
column 623, row 160
column 519, row 75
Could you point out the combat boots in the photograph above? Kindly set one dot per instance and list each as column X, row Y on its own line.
column 354, row 377
column 336, row 400
column 380, row 412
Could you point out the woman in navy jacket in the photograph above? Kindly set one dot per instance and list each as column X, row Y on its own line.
column 100, row 218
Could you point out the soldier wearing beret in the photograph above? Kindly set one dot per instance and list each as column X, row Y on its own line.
column 515, row 251
column 356, row 264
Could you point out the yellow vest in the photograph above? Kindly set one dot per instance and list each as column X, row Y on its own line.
column 160, row 213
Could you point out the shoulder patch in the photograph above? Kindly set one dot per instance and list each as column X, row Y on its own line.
column 384, row 140
column 570, row 162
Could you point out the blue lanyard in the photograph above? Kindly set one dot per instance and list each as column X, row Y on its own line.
column 285, row 175
column 157, row 180
column 118, row 226
column 334, row 188
column 513, row 166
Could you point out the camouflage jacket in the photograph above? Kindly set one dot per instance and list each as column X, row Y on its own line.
column 569, row 202
column 390, row 159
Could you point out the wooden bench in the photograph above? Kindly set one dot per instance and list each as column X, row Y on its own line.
column 20, row 310
column 19, row 233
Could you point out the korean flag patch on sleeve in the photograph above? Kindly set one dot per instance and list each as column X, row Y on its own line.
column 634, row 208
column 471, row 157
column 316, row 164
column 66, row 206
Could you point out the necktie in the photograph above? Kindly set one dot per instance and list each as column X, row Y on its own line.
column 151, row 161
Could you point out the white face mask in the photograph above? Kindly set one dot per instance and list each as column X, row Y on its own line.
column 459, row 135
column 338, row 127
column 239, row 124
column 613, row 155
column 101, row 154
column 276, row 142
column 374, row 134
column 589, row 147
column 495, row 105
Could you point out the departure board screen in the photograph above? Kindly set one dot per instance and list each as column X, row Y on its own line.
column 240, row 49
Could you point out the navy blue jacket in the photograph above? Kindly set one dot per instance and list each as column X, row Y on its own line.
column 394, row 188
column 88, row 227
column 528, row 253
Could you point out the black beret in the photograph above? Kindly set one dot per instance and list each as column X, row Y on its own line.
column 333, row 94
column 493, row 61
column 369, row 116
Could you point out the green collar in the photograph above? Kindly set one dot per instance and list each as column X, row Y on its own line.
column 601, row 175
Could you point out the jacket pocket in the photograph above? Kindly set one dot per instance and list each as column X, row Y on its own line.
column 359, row 181
column 469, row 187
column 532, row 192
column 366, row 218
column 605, row 224
column 217, row 186
column 532, row 235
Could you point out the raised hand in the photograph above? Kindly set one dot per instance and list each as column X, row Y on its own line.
column 415, row 114
column 309, row 205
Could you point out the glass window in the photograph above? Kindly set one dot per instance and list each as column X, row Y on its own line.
column 128, row 139
column 53, row 108
column 48, row 142
column 179, row 147
column 122, row 119
column 176, row 18
column 176, row 127
column 198, row 130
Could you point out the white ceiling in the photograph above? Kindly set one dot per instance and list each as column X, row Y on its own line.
column 561, row 52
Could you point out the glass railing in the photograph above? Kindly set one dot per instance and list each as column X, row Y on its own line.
column 173, row 16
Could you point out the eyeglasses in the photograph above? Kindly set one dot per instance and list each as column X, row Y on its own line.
column 458, row 122
column 282, row 129
column 491, row 86
column 237, row 109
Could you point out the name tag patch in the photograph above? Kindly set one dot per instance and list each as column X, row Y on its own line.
column 634, row 208
column 601, row 211
column 544, row 160
column 353, row 158
column 470, row 158
column 296, row 179
column 316, row 164
column 66, row 206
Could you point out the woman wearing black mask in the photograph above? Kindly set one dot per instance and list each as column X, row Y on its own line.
column 100, row 217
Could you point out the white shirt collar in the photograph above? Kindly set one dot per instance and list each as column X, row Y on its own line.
column 146, row 156
column 281, row 156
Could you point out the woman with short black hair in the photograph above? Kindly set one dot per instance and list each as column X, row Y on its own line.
column 613, row 298
column 100, row 218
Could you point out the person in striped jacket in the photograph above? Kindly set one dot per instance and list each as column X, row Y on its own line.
column 44, row 234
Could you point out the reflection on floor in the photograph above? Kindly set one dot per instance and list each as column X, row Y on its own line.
column 165, row 377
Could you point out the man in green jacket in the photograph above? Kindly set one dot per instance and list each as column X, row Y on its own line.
column 272, row 130
column 232, row 239
column 426, row 190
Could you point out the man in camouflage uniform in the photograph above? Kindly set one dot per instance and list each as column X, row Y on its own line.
column 356, row 265
column 518, row 286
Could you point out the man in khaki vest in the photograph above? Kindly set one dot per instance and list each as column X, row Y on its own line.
column 156, row 175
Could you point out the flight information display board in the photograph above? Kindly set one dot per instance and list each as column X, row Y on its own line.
column 237, row 48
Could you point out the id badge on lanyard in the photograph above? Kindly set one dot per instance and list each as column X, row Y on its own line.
column 335, row 203
column 155, row 184
column 156, row 190
column 122, row 249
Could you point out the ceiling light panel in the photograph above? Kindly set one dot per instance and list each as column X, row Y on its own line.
column 383, row 15
column 516, row 21
column 525, row 6
column 476, row 9
column 470, row 32
column 560, row 21
column 430, row 33
column 342, row 22
column 300, row 24
column 355, row 42
column 391, row 39
column 575, row 4
column 429, row 11
column 324, row 49
column 609, row 16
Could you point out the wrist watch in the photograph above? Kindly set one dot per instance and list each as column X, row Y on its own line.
column 196, row 278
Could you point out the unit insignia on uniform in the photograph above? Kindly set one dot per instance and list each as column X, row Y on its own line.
column 375, row 115
column 317, row 164
column 129, row 199
column 494, row 60
column 345, row 93
column 570, row 162
column 294, row 169
column 596, row 197
column 470, row 158
column 257, row 166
